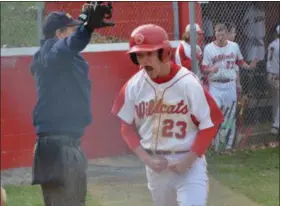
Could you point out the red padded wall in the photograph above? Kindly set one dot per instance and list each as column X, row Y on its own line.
column 108, row 72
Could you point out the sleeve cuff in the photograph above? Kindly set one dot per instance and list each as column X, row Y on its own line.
column 204, row 140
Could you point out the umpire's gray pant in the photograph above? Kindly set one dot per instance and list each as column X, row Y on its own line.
column 60, row 168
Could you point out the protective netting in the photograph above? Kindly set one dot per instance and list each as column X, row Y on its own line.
column 253, row 26
column 20, row 25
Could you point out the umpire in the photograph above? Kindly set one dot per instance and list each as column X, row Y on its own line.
column 62, row 110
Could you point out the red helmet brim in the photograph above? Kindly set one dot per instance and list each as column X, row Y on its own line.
column 144, row 48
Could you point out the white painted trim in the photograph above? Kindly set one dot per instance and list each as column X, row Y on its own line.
column 29, row 51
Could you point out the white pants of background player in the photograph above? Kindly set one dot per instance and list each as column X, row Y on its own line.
column 275, row 86
column 188, row 189
column 225, row 94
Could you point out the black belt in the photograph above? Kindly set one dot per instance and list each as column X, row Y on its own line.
column 46, row 134
column 222, row 80
column 164, row 152
column 63, row 139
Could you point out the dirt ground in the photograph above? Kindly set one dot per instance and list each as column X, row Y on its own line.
column 121, row 181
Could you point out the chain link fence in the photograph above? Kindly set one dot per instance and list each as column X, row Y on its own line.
column 21, row 21
column 253, row 26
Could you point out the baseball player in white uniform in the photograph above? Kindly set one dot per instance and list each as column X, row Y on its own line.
column 254, row 24
column 219, row 62
column 273, row 69
column 168, row 120
column 183, row 51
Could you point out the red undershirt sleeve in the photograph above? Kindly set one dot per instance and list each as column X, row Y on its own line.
column 203, row 140
column 240, row 62
column 130, row 136
column 186, row 62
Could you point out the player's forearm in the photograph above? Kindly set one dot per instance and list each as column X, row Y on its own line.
column 246, row 66
column 252, row 65
column 142, row 154
column 208, row 69
column 130, row 136
column 203, row 140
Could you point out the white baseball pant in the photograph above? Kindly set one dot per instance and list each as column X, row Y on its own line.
column 275, row 86
column 225, row 94
column 187, row 189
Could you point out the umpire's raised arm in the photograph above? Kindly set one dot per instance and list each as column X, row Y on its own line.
column 62, row 110
column 60, row 24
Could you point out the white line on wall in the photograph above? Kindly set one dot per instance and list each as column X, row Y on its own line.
column 30, row 51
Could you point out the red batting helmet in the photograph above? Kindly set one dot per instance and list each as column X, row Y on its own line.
column 147, row 38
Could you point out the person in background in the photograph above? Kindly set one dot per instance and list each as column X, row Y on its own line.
column 207, row 23
column 219, row 62
column 254, row 29
column 62, row 110
column 183, row 51
column 273, row 77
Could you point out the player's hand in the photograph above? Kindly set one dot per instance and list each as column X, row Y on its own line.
column 253, row 63
column 157, row 163
column 183, row 165
column 212, row 69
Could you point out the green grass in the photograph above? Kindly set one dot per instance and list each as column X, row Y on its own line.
column 31, row 196
column 255, row 174
column 18, row 24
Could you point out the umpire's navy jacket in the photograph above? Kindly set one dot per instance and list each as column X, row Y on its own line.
column 63, row 87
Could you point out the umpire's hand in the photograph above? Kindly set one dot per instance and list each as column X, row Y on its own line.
column 94, row 13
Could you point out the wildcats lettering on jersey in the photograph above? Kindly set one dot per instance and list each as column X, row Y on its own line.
column 222, row 57
column 156, row 107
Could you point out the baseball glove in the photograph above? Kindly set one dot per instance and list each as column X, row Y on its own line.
column 94, row 14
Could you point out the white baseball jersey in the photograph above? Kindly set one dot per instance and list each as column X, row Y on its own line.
column 225, row 57
column 164, row 113
column 254, row 21
column 187, row 51
column 273, row 65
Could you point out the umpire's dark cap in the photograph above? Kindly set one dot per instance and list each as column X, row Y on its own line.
column 58, row 20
